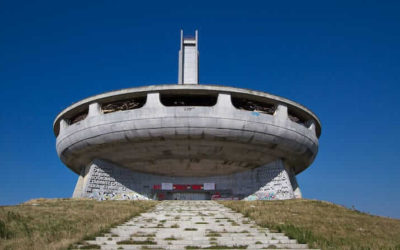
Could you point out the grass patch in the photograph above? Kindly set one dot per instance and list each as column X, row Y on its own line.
column 171, row 238
column 226, row 247
column 58, row 223
column 91, row 246
column 218, row 247
column 201, row 222
column 322, row 224
column 136, row 242
column 213, row 234
column 190, row 229
column 175, row 226
column 146, row 247
column 143, row 234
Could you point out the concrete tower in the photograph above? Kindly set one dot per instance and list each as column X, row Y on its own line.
column 188, row 72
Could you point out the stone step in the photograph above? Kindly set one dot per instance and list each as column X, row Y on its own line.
column 201, row 224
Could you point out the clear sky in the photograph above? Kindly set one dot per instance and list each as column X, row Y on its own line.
column 340, row 59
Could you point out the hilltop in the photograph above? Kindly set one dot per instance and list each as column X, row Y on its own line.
column 58, row 223
column 323, row 224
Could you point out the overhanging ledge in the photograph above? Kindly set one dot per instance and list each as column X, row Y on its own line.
column 174, row 88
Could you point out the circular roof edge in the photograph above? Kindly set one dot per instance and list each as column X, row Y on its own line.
column 196, row 87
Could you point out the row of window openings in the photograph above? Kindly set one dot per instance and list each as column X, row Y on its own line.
column 188, row 100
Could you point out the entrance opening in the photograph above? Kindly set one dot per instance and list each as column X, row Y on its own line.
column 190, row 196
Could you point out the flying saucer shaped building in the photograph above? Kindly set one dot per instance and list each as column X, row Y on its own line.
column 187, row 141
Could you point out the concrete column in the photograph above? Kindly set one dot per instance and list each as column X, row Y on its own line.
column 153, row 101
column 281, row 113
column 224, row 101
column 63, row 125
column 311, row 126
column 94, row 109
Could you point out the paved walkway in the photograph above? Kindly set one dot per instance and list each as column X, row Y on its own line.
column 192, row 225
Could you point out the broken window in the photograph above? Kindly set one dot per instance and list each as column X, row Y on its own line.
column 252, row 105
column 188, row 100
column 296, row 118
column 78, row 117
column 128, row 104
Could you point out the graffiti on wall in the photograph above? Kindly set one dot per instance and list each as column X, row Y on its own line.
column 277, row 184
column 101, row 196
column 102, row 185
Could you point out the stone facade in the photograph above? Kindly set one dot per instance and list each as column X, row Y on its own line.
column 103, row 180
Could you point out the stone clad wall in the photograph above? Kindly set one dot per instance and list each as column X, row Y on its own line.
column 103, row 180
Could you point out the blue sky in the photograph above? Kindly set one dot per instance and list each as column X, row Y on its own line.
column 340, row 59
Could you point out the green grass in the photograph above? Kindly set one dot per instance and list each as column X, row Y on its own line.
column 142, row 234
column 190, row 229
column 136, row 242
column 213, row 234
column 91, row 246
column 218, row 247
column 322, row 224
column 171, row 238
column 226, row 247
column 58, row 223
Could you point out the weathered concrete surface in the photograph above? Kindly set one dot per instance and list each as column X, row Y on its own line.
column 188, row 141
column 179, row 224
column 106, row 181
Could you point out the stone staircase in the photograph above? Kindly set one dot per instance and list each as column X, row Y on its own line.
column 191, row 225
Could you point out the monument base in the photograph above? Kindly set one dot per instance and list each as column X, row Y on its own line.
column 103, row 180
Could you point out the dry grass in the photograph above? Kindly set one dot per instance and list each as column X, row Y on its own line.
column 57, row 223
column 322, row 224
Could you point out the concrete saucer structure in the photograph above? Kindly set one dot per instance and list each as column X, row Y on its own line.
column 187, row 141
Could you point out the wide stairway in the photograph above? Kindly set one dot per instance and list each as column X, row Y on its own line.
column 192, row 225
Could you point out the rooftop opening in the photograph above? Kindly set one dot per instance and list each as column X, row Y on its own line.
column 188, row 100
column 295, row 117
column 78, row 117
column 252, row 105
column 121, row 105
